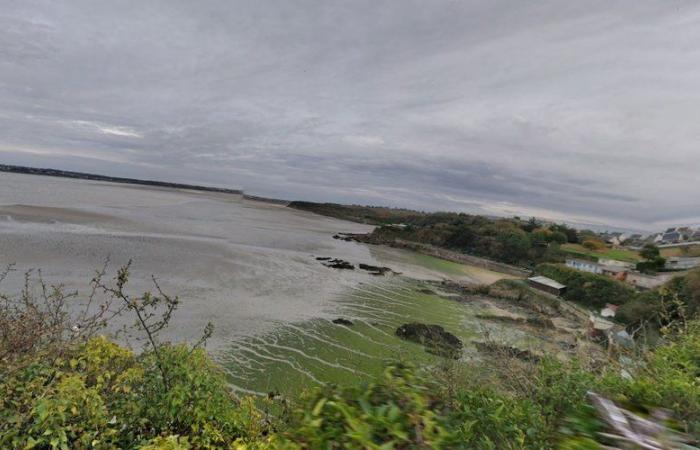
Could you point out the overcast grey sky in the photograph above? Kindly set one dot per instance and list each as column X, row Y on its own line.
column 585, row 110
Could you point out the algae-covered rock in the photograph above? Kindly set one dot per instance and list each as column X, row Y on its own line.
column 434, row 338
column 342, row 321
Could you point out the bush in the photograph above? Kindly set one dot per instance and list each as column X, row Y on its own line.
column 397, row 412
column 593, row 244
column 103, row 394
column 588, row 289
column 407, row 410
column 488, row 420
column 667, row 379
column 62, row 392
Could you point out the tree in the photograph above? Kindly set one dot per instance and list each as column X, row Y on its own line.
column 570, row 233
column 593, row 244
column 514, row 245
column 649, row 252
column 558, row 237
column 531, row 225
column 651, row 266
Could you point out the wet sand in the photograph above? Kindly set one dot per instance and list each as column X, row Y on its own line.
column 46, row 214
column 243, row 264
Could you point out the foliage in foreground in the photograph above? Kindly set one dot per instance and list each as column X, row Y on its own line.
column 68, row 392
column 103, row 396
column 100, row 395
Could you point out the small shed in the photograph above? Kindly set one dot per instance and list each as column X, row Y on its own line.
column 546, row 285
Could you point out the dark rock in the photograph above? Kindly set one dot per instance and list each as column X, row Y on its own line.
column 323, row 258
column 375, row 270
column 339, row 264
column 433, row 337
column 341, row 321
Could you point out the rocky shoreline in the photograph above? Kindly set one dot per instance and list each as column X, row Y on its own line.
column 449, row 255
column 337, row 263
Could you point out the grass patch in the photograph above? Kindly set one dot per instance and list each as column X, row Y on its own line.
column 619, row 254
column 690, row 251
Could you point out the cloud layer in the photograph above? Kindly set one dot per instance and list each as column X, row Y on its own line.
column 578, row 110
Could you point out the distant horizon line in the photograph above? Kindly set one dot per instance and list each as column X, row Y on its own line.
column 60, row 173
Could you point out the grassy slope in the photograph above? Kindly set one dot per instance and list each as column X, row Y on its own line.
column 691, row 250
column 612, row 253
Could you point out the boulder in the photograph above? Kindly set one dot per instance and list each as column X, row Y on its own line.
column 341, row 321
column 434, row 338
column 339, row 264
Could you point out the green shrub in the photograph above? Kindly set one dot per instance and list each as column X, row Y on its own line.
column 485, row 419
column 668, row 379
column 102, row 395
column 396, row 412
column 588, row 289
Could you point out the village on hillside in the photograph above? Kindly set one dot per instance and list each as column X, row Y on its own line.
column 642, row 262
column 622, row 256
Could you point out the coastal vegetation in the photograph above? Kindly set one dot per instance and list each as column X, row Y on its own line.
column 588, row 289
column 508, row 240
column 64, row 385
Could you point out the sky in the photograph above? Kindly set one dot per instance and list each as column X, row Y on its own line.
column 584, row 111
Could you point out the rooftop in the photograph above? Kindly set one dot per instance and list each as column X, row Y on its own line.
column 547, row 282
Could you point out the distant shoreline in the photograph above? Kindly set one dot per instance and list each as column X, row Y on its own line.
column 95, row 177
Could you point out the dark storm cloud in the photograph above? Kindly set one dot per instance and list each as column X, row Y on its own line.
column 580, row 110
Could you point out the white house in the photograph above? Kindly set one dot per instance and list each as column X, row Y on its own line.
column 584, row 266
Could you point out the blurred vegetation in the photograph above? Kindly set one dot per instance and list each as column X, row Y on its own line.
column 75, row 389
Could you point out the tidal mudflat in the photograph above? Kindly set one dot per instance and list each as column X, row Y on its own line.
column 248, row 267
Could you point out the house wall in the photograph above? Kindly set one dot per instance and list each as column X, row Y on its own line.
column 545, row 288
column 584, row 266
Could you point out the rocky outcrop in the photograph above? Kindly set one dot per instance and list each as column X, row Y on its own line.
column 339, row 264
column 434, row 338
column 375, row 270
column 342, row 321
column 539, row 322
column 344, row 237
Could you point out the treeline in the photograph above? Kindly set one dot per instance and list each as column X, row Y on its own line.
column 95, row 177
column 508, row 240
column 373, row 215
column 511, row 241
